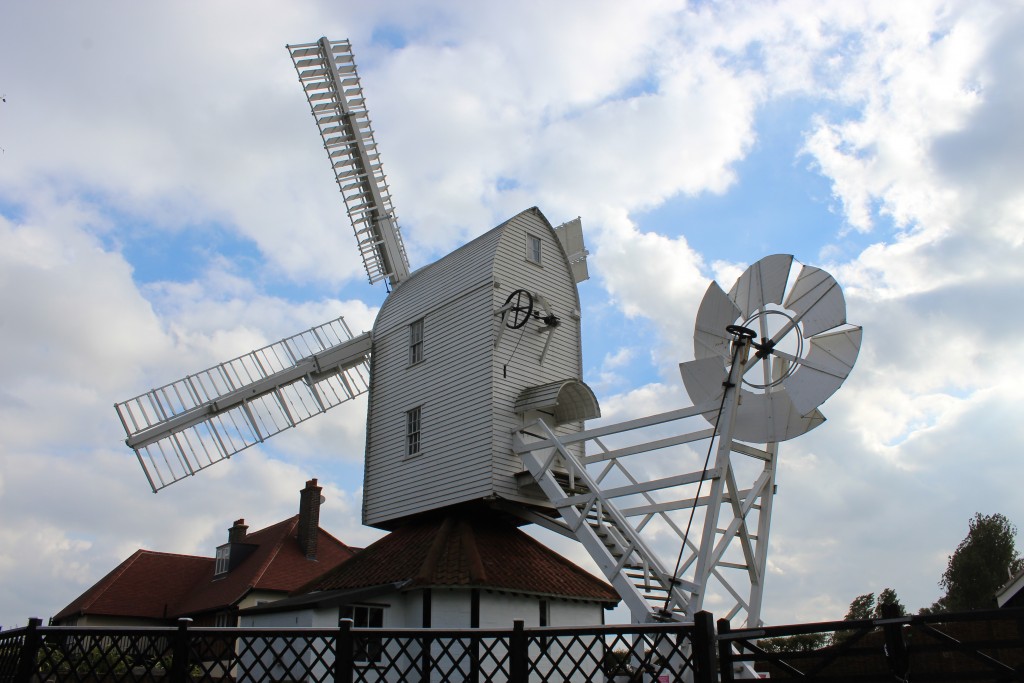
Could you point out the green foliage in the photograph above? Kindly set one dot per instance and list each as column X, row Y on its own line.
column 623, row 662
column 616, row 663
column 862, row 607
column 96, row 661
column 889, row 598
column 799, row 643
column 867, row 607
column 936, row 607
column 99, row 661
column 980, row 564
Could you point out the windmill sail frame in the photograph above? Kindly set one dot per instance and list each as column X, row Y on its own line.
column 183, row 427
column 327, row 71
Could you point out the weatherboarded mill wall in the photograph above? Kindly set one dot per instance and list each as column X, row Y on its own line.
column 464, row 385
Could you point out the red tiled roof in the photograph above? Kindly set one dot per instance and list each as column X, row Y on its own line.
column 277, row 564
column 164, row 585
column 146, row 585
column 473, row 550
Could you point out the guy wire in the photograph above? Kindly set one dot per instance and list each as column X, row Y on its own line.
column 700, row 484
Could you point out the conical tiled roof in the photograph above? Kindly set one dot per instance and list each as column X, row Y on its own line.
column 467, row 548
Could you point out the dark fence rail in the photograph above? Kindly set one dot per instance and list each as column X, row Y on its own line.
column 257, row 655
column 965, row 646
column 973, row 646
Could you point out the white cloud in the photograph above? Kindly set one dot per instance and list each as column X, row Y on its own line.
column 78, row 334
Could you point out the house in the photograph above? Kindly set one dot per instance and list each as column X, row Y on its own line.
column 465, row 568
column 153, row 588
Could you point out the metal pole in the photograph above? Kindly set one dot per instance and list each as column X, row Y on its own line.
column 895, row 646
column 179, row 663
column 725, row 664
column 29, row 651
column 730, row 400
column 517, row 654
column 343, row 654
column 704, row 648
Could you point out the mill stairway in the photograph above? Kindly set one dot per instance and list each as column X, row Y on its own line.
column 616, row 547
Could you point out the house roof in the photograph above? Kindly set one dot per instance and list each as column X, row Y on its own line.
column 320, row 599
column 146, row 585
column 165, row 585
column 276, row 564
column 467, row 548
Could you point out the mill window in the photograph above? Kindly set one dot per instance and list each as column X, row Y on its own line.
column 412, row 431
column 416, row 342
column 533, row 248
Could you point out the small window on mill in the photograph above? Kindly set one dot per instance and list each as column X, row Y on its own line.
column 412, row 431
column 533, row 248
column 416, row 342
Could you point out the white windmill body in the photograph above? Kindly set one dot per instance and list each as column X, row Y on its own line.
column 476, row 395
column 448, row 373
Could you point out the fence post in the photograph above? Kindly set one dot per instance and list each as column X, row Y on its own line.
column 725, row 661
column 179, row 661
column 517, row 653
column 344, row 658
column 704, row 648
column 29, row 651
column 474, row 658
column 895, row 646
column 426, row 657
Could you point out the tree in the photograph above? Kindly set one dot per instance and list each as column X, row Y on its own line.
column 888, row 598
column 862, row 607
column 806, row 642
column 866, row 607
column 982, row 563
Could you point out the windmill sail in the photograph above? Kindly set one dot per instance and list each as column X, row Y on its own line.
column 327, row 71
column 188, row 425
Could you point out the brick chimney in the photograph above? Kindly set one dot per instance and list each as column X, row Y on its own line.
column 309, row 518
column 236, row 534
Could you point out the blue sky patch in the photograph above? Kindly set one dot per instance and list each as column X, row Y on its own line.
column 778, row 204
column 389, row 36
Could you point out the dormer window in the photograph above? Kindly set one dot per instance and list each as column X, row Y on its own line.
column 223, row 562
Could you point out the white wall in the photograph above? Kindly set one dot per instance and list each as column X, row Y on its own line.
column 300, row 617
column 285, row 664
column 450, row 608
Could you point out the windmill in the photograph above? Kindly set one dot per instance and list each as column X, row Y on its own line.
column 491, row 320
column 474, row 374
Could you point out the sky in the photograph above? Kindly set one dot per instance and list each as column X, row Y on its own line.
column 165, row 205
